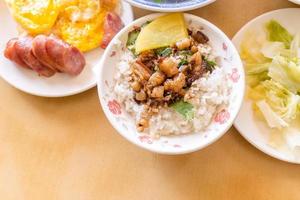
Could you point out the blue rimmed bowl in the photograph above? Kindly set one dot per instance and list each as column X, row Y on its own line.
column 170, row 5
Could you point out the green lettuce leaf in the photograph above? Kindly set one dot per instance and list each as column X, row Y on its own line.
column 277, row 33
column 272, row 49
column 256, row 64
column 132, row 36
column 272, row 118
column 272, row 67
column 286, row 72
column 250, row 48
column 277, row 104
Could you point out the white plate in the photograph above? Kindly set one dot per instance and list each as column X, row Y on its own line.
column 295, row 1
column 170, row 5
column 254, row 130
column 59, row 85
column 125, row 124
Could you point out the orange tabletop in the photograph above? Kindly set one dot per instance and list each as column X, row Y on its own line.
column 64, row 148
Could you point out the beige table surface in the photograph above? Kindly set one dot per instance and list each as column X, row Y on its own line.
column 66, row 149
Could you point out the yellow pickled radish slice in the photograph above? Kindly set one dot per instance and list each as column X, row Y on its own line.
column 161, row 32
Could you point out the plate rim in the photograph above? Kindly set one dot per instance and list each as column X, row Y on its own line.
column 295, row 1
column 129, row 10
column 180, row 9
column 235, row 124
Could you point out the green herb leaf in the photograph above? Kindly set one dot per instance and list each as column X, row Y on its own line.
column 132, row 36
column 164, row 51
column 131, row 48
column 183, row 62
column 210, row 65
column 185, row 53
column 145, row 24
column 184, row 108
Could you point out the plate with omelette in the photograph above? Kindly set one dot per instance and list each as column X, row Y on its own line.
column 51, row 48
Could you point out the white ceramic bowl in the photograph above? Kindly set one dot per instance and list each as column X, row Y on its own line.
column 124, row 123
column 170, row 5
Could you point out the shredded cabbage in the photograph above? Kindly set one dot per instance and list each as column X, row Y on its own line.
column 272, row 64
column 273, row 120
column 272, row 49
column 286, row 72
column 250, row 49
column 277, row 104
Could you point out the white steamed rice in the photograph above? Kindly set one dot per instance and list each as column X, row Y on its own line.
column 208, row 94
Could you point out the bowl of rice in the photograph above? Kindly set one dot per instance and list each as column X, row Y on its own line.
column 171, row 83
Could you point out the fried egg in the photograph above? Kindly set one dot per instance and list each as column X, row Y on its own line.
column 35, row 16
column 77, row 22
column 81, row 22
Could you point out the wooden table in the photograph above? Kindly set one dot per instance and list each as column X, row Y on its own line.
column 57, row 149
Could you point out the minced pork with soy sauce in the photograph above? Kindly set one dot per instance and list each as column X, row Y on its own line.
column 173, row 90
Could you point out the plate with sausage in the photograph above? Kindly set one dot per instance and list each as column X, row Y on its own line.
column 51, row 48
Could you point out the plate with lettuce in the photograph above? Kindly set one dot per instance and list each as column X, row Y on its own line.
column 295, row 1
column 269, row 119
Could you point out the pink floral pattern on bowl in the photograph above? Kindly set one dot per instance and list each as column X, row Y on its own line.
column 114, row 107
column 177, row 146
column 224, row 46
column 235, row 76
column 113, row 53
column 145, row 139
column 222, row 117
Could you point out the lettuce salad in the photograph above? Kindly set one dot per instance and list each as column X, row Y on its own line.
column 272, row 63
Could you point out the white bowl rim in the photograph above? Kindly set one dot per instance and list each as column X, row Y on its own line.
column 177, row 151
column 180, row 9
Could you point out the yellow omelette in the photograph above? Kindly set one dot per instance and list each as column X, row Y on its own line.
column 77, row 22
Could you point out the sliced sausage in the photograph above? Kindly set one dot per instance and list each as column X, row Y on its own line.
column 73, row 61
column 24, row 50
column 11, row 54
column 45, row 55
column 55, row 49
column 40, row 52
column 37, row 66
column 67, row 58
column 112, row 25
